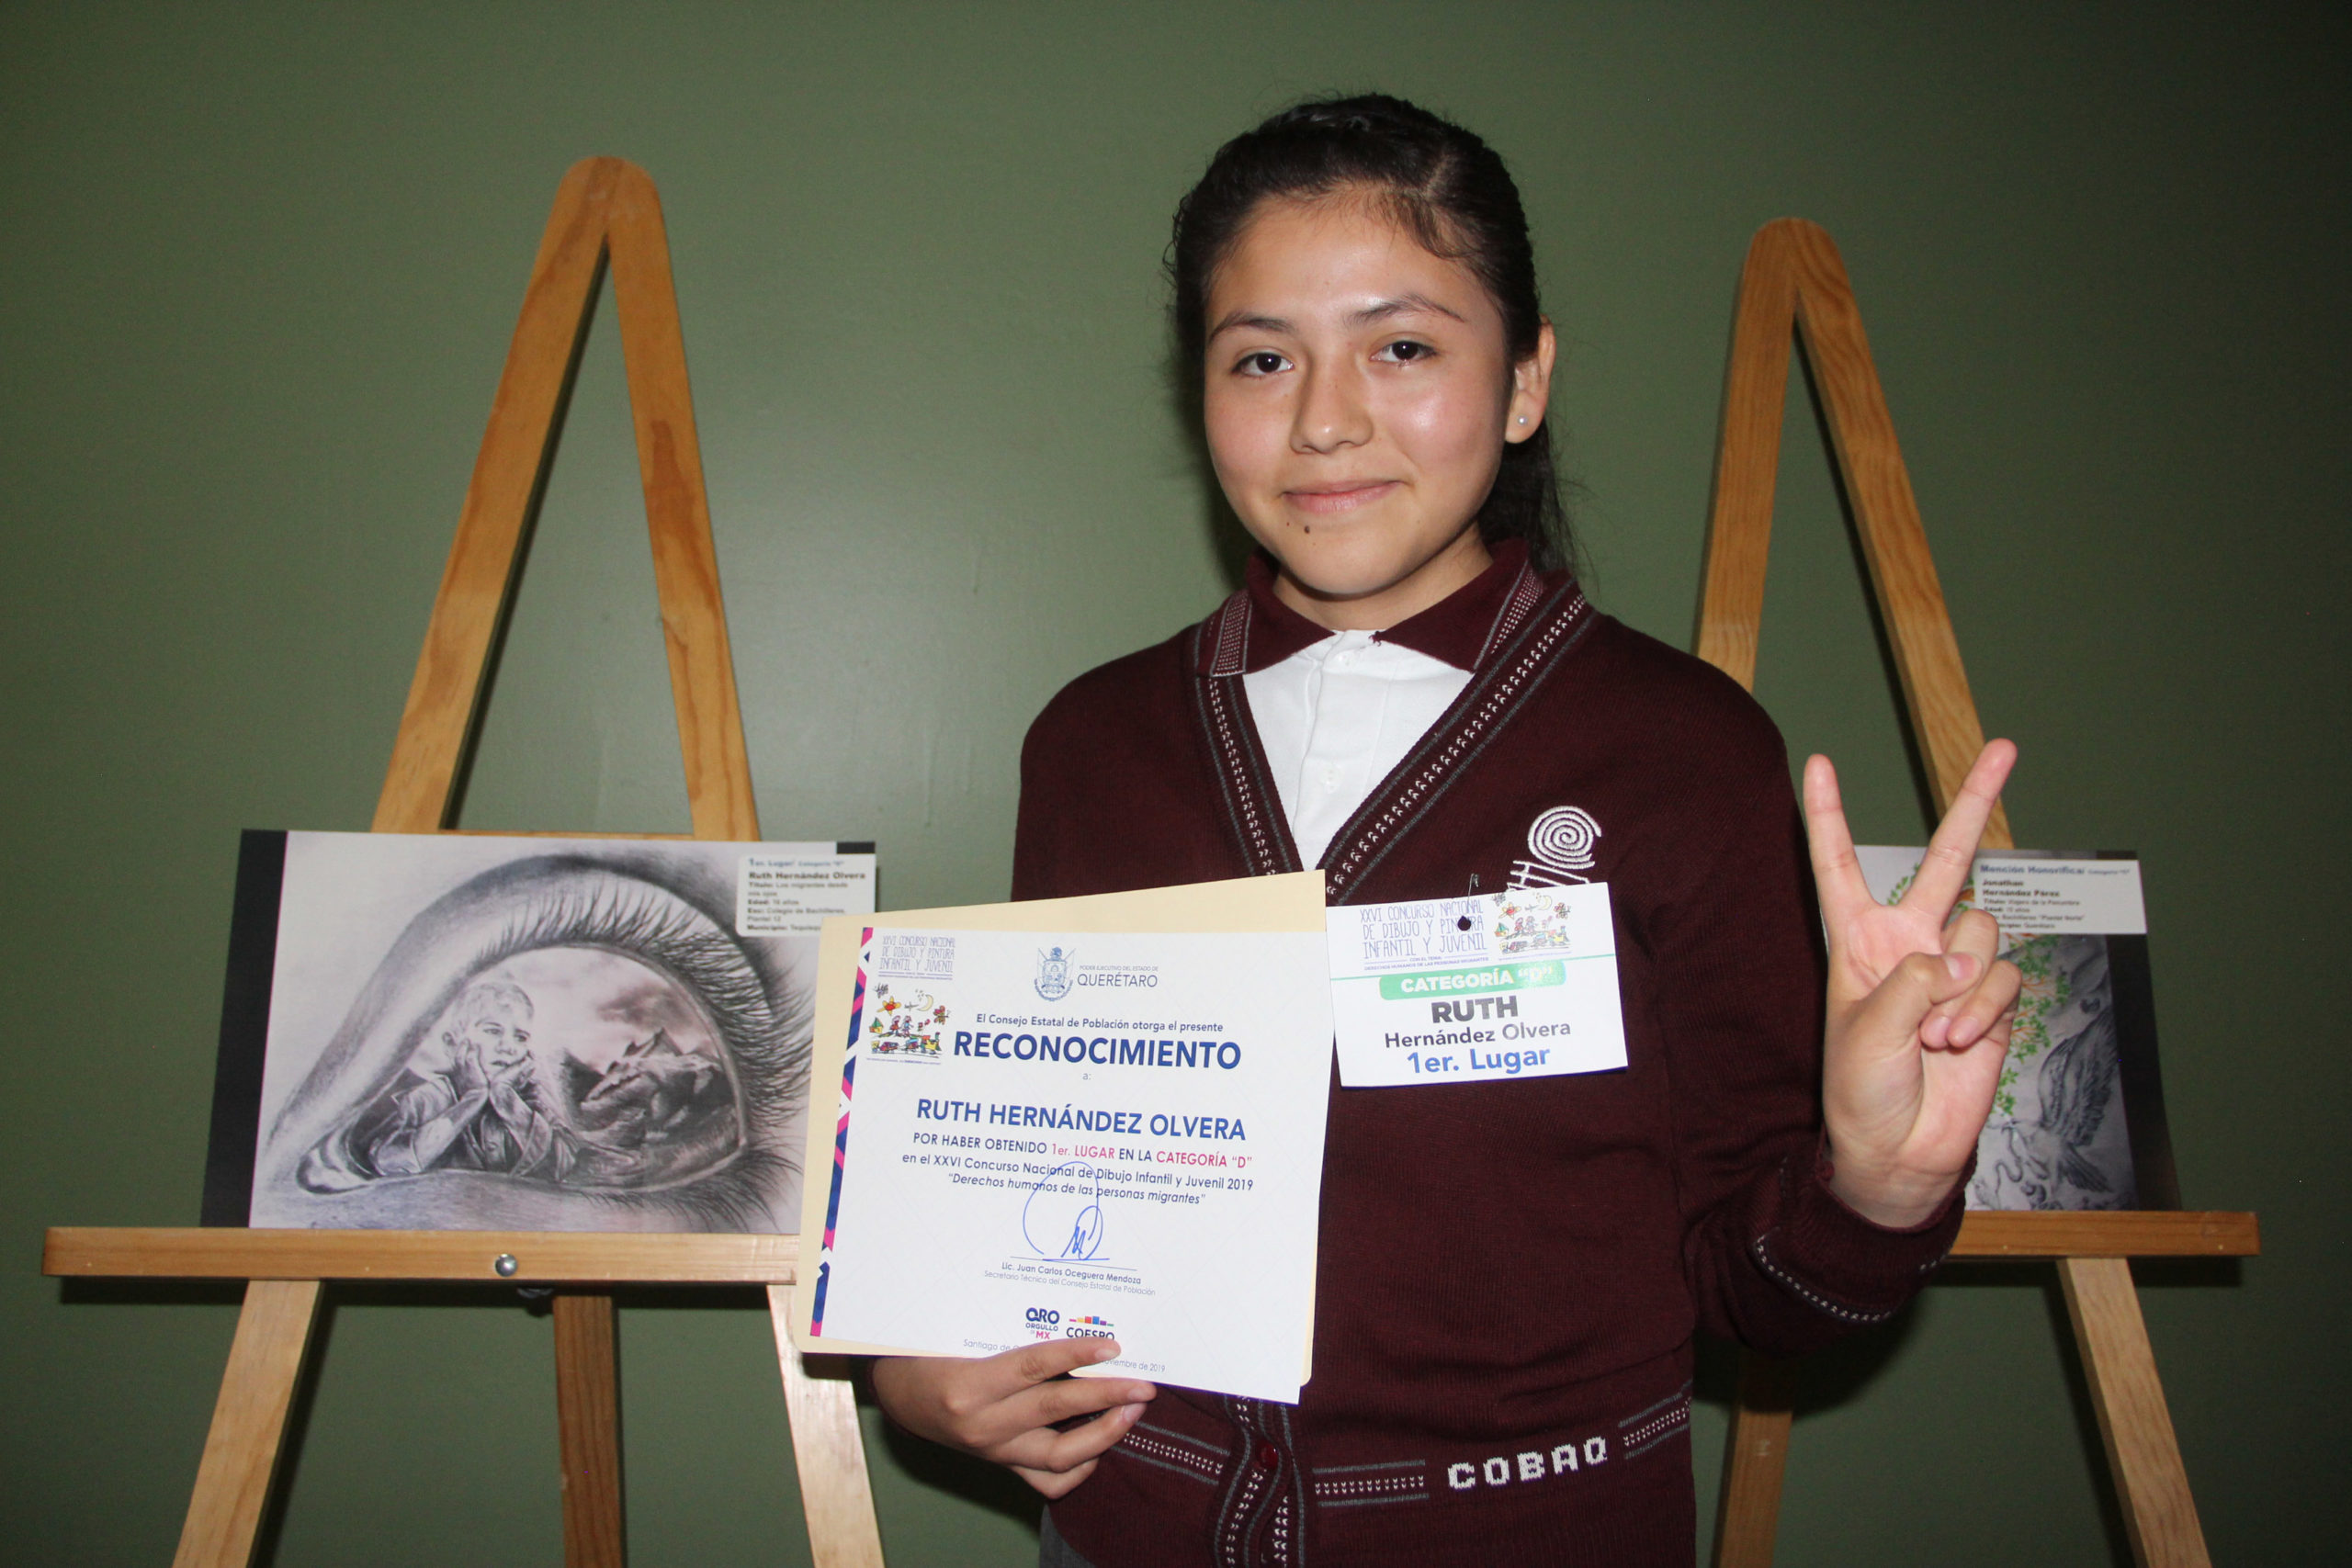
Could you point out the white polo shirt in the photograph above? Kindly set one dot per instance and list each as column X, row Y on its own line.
column 1336, row 719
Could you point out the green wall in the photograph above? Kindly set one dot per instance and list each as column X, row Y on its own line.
column 257, row 269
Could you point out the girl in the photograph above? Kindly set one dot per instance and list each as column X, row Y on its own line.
column 1411, row 694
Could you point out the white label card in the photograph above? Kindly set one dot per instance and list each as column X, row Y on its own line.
column 1514, row 984
column 789, row 893
column 2030, row 892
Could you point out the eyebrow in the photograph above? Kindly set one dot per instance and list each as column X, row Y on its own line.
column 1403, row 305
column 1378, row 311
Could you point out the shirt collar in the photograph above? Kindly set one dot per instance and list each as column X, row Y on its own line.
column 1462, row 629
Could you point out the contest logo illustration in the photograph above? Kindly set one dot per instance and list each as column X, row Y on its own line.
column 1561, row 846
column 1053, row 974
column 1531, row 921
column 905, row 1026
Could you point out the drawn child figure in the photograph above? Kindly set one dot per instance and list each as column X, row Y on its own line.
column 486, row 1111
column 1409, row 688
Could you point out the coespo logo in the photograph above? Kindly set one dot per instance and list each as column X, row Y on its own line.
column 1088, row 1327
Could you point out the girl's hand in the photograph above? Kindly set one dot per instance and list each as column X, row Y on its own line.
column 1005, row 1408
column 1918, row 1007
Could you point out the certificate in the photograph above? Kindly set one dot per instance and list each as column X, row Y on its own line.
column 1067, row 1129
column 1520, row 984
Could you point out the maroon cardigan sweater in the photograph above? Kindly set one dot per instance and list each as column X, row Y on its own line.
column 1510, row 1273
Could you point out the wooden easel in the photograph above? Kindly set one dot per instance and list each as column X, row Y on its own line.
column 1795, row 277
column 605, row 213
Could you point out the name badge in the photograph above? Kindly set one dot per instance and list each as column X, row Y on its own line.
column 1515, row 985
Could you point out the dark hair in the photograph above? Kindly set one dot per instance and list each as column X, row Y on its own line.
column 1448, row 189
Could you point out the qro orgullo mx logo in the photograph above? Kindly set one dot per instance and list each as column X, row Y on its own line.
column 1045, row 1323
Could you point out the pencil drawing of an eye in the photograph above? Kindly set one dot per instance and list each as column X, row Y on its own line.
column 559, row 1043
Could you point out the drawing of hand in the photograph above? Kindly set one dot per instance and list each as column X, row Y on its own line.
column 466, row 1072
column 1918, row 1006
column 510, row 1095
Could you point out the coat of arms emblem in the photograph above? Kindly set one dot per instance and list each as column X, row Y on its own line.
column 1053, row 974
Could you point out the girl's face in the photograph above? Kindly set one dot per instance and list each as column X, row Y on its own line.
column 1359, row 392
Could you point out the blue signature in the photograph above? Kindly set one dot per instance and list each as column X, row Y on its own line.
column 1063, row 1216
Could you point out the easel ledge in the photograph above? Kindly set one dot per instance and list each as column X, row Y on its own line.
column 533, row 1257
column 543, row 1257
column 2124, row 1233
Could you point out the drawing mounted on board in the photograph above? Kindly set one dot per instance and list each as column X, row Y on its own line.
column 2078, row 1117
column 470, row 1032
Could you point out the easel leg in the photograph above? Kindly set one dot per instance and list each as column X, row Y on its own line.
column 836, row 1497
column 248, row 1423
column 1754, row 1457
column 588, row 1416
column 2143, row 1455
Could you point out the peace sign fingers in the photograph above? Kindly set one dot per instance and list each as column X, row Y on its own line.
column 1916, row 1006
column 1944, row 872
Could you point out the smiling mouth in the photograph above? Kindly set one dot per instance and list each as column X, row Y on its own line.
column 1324, row 501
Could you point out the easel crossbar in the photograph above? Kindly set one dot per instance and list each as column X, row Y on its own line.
column 575, row 1258
column 2132, row 1232
column 533, row 1257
